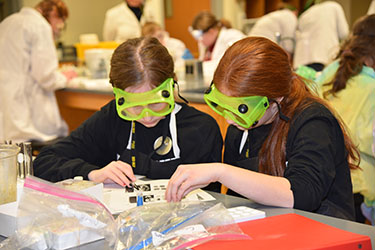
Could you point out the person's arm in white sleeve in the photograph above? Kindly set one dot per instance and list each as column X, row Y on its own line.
column 109, row 31
column 150, row 13
column 342, row 24
column 44, row 62
column 289, row 27
column 371, row 9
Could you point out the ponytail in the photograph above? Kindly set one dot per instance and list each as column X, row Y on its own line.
column 349, row 65
column 358, row 48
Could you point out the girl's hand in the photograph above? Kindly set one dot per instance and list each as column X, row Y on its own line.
column 115, row 172
column 190, row 177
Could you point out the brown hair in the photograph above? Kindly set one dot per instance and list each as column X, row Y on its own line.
column 260, row 67
column 46, row 6
column 140, row 60
column 357, row 48
column 205, row 20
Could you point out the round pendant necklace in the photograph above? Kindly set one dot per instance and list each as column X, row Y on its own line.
column 163, row 148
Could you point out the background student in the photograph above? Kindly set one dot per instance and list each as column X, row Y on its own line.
column 213, row 37
column 28, row 73
column 320, row 29
column 284, row 146
column 176, row 47
column 279, row 26
column 143, row 131
column 124, row 20
column 348, row 84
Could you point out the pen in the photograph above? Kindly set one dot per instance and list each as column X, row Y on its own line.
column 146, row 242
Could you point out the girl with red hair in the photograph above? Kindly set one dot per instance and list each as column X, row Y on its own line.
column 284, row 146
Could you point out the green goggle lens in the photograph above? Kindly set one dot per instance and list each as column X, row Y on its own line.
column 244, row 111
column 156, row 102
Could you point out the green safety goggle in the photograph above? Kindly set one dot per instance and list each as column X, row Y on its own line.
column 245, row 111
column 156, row 102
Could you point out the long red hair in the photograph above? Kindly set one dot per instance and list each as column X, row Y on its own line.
column 46, row 6
column 256, row 66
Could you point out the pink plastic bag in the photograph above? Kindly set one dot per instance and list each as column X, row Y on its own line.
column 176, row 225
column 51, row 217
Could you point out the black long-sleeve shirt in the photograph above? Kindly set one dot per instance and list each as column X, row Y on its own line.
column 104, row 136
column 317, row 166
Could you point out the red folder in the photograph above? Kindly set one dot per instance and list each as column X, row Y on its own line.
column 291, row 231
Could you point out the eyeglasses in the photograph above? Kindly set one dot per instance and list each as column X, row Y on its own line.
column 245, row 111
column 156, row 102
column 198, row 34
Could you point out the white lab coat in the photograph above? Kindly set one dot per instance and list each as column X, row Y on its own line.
column 371, row 9
column 120, row 23
column 319, row 32
column 224, row 40
column 283, row 22
column 28, row 79
column 176, row 47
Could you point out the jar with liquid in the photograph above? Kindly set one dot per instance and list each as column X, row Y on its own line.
column 8, row 173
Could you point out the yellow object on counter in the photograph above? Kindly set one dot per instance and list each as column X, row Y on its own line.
column 81, row 47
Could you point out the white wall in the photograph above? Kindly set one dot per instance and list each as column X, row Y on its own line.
column 354, row 9
column 87, row 16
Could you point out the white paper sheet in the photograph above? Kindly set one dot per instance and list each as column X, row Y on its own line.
column 118, row 199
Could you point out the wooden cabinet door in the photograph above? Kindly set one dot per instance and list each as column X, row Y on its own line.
column 181, row 18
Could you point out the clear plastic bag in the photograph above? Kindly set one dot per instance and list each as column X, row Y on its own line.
column 51, row 217
column 175, row 225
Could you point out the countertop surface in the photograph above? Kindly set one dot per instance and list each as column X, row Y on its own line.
column 231, row 201
column 192, row 90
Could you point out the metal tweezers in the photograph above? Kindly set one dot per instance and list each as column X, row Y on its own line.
column 137, row 187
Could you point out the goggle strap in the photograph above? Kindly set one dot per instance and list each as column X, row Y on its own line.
column 281, row 115
column 178, row 92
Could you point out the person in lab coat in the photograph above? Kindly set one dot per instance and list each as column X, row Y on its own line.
column 175, row 47
column 284, row 146
column 213, row 39
column 142, row 131
column 279, row 26
column 348, row 84
column 124, row 21
column 28, row 73
column 320, row 29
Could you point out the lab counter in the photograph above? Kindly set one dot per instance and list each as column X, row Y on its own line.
column 77, row 103
column 354, row 227
column 231, row 201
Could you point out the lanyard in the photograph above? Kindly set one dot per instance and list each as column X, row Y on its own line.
column 173, row 129
column 132, row 147
column 247, row 154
